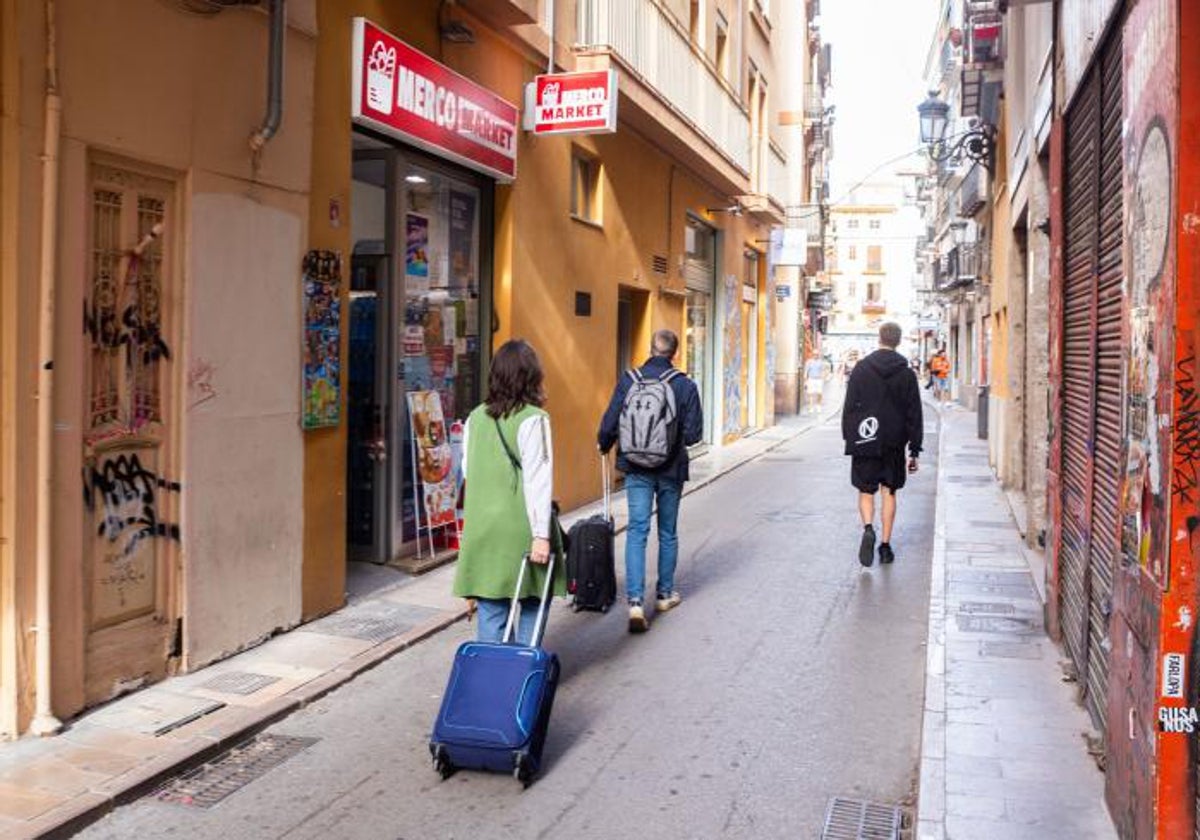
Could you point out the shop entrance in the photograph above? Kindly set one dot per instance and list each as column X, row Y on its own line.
column 700, row 275
column 417, row 340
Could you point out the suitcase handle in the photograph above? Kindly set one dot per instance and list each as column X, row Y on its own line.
column 514, row 607
column 604, row 477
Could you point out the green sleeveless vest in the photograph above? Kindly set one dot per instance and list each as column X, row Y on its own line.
column 496, row 532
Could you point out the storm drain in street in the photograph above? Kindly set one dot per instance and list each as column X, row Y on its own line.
column 208, row 784
column 239, row 682
column 984, row 607
column 857, row 819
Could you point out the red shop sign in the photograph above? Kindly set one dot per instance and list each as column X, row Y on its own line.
column 404, row 93
column 573, row 103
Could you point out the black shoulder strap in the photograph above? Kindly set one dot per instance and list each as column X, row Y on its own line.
column 513, row 459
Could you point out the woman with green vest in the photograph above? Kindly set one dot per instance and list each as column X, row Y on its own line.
column 508, row 466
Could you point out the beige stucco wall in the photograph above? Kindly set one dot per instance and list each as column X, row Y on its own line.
column 181, row 107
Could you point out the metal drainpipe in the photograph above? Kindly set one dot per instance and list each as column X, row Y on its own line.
column 274, row 115
column 44, row 721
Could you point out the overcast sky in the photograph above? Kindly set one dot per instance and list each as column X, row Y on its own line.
column 879, row 49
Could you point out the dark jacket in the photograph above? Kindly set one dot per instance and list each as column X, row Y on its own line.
column 691, row 420
column 883, row 406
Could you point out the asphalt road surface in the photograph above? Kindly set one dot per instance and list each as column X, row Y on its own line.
column 789, row 675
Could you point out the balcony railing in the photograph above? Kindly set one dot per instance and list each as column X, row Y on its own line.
column 959, row 267
column 654, row 46
column 874, row 307
column 814, row 102
column 973, row 194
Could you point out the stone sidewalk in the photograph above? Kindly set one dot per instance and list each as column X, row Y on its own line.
column 1004, row 754
column 52, row 787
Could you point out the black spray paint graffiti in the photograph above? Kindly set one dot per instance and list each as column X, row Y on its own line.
column 142, row 338
column 1187, row 434
column 128, row 493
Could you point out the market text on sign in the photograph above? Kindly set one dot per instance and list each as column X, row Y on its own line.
column 585, row 104
column 430, row 101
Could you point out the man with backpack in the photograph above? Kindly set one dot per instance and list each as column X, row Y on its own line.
column 653, row 416
column 881, row 415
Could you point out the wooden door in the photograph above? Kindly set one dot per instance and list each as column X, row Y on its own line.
column 131, row 488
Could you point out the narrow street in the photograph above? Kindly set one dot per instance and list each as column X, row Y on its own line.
column 789, row 675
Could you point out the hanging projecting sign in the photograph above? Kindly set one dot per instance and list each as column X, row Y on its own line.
column 404, row 93
column 572, row 103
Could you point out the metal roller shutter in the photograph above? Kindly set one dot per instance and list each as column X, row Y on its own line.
column 1078, row 360
column 1091, row 425
column 1109, row 356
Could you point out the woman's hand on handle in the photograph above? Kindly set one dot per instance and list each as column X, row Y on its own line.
column 539, row 551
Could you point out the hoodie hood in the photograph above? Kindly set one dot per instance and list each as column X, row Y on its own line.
column 886, row 363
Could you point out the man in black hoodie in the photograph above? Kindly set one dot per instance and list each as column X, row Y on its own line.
column 881, row 415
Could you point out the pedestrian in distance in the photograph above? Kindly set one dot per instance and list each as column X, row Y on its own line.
column 653, row 417
column 939, row 372
column 881, row 416
column 508, row 465
column 816, row 374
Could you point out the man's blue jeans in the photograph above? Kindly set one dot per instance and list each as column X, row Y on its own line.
column 640, row 492
column 492, row 615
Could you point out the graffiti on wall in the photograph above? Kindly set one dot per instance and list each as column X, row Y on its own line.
column 126, row 499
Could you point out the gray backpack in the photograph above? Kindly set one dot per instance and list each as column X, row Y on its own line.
column 649, row 420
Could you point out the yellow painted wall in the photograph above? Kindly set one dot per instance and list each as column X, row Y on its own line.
column 1001, row 246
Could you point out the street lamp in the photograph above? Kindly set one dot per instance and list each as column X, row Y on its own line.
column 978, row 144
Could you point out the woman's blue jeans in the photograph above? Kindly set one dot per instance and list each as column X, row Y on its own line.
column 641, row 491
column 492, row 615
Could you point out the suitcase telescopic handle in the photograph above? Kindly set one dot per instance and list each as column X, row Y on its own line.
column 514, row 607
column 606, row 480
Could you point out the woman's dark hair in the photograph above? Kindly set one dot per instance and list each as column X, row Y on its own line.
column 515, row 380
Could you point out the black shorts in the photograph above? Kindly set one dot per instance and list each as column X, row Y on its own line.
column 890, row 470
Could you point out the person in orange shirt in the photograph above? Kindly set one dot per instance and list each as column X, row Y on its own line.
column 939, row 369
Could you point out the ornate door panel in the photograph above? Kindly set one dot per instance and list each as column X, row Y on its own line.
column 131, row 499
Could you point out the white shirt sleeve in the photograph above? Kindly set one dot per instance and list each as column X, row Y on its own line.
column 465, row 448
column 537, row 470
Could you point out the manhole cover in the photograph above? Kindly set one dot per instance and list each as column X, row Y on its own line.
column 991, row 523
column 977, row 607
column 979, row 480
column 857, row 819
column 1010, row 650
column 208, row 784
column 239, row 682
column 366, row 629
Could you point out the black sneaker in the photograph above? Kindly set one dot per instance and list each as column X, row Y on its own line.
column 886, row 555
column 866, row 549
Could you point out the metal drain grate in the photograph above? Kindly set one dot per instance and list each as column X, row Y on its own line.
column 207, row 785
column 977, row 607
column 363, row 628
column 239, row 682
column 857, row 819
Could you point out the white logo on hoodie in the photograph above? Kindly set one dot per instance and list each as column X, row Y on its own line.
column 868, row 429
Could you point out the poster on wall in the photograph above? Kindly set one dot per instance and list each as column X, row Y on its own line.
column 322, row 339
column 416, row 246
column 436, row 487
column 462, row 239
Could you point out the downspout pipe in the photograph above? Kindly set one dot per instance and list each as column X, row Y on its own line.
column 274, row 115
column 44, row 721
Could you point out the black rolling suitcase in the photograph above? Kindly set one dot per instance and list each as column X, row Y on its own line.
column 591, row 565
column 496, row 708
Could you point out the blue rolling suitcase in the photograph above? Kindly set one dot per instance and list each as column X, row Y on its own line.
column 496, row 708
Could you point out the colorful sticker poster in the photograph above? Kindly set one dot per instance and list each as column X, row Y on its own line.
column 416, row 246
column 417, row 373
column 414, row 340
column 322, row 339
column 449, row 324
column 435, row 458
column 462, row 240
column 472, row 306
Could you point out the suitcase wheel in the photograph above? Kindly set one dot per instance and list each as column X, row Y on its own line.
column 577, row 606
column 604, row 608
column 522, row 772
column 441, row 761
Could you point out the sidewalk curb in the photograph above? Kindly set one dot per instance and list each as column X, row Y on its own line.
column 74, row 815
column 931, row 785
